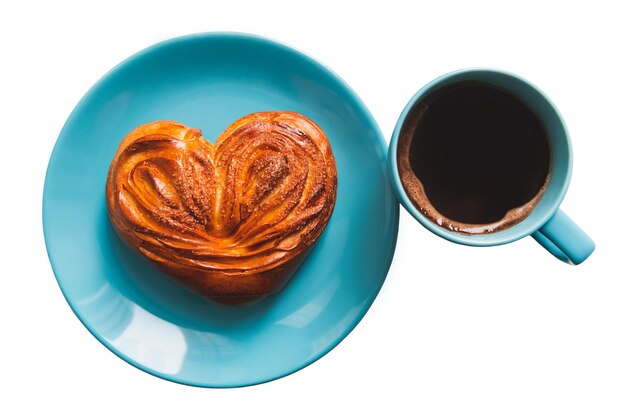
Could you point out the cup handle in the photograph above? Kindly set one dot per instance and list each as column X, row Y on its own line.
column 564, row 239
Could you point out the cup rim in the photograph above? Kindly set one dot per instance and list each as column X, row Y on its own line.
column 525, row 227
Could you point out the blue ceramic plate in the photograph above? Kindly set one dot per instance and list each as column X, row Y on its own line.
column 208, row 81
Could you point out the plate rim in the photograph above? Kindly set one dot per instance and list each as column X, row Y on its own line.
column 248, row 37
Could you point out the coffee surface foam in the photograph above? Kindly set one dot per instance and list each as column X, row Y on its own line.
column 417, row 190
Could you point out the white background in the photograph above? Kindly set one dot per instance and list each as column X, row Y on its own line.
column 455, row 331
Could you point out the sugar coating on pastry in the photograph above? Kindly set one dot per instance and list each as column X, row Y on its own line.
column 233, row 220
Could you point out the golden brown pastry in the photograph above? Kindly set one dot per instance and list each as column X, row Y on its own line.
column 232, row 220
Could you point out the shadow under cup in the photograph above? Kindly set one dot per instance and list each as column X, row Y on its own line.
column 547, row 208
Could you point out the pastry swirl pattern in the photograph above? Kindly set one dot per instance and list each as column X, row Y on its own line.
column 233, row 219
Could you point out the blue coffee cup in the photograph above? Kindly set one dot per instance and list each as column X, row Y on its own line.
column 546, row 223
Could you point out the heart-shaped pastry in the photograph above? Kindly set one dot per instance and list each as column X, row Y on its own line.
column 232, row 220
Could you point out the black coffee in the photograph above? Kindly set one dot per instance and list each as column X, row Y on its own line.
column 473, row 158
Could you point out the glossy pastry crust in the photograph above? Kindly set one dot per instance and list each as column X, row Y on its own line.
column 232, row 220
